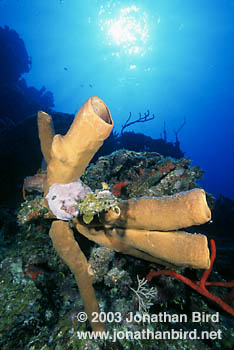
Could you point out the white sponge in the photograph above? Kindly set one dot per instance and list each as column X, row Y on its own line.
column 62, row 198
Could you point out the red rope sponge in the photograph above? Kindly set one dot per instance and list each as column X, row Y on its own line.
column 200, row 286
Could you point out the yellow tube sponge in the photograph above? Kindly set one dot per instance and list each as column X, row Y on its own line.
column 173, row 248
column 164, row 213
column 178, row 248
column 46, row 133
column 101, row 237
column 71, row 154
column 69, row 250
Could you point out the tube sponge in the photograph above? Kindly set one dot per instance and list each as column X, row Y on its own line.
column 181, row 210
column 70, row 154
column 69, row 250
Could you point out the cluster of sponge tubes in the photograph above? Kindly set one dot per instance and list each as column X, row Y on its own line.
column 141, row 227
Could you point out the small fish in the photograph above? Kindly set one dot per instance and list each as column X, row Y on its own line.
column 90, row 85
column 65, row 68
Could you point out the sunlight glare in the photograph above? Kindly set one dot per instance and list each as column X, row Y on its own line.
column 128, row 31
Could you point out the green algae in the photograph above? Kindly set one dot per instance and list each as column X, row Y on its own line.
column 95, row 203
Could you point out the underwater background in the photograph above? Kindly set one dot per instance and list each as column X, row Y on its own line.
column 173, row 58
column 165, row 70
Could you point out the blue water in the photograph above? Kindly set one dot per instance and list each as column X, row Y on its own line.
column 173, row 57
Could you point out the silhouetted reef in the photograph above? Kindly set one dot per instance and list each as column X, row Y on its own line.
column 17, row 100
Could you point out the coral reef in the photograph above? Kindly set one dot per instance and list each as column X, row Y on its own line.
column 41, row 312
column 12, row 46
column 134, row 174
column 126, row 224
column 140, row 142
column 14, row 62
column 68, row 158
